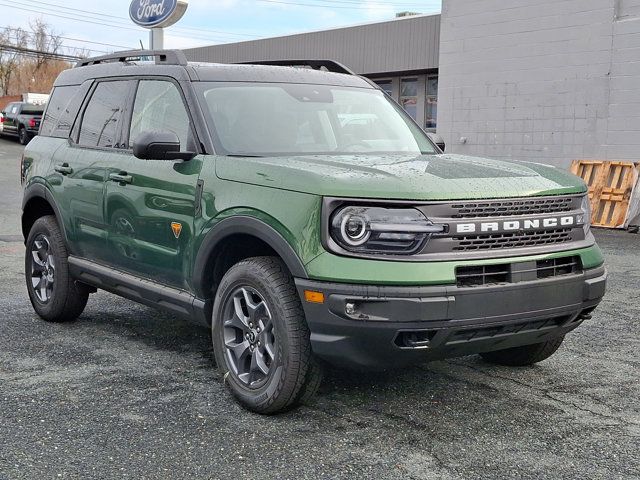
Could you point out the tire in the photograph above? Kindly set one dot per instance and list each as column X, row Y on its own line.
column 55, row 296
column 525, row 355
column 261, row 339
column 23, row 136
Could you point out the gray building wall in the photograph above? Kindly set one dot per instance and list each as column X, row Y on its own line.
column 541, row 80
column 400, row 45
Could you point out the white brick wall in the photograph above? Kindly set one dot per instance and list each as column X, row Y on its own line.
column 541, row 80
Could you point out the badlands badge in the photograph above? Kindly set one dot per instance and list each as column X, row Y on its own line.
column 176, row 228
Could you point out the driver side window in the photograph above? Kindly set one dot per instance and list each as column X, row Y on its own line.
column 159, row 107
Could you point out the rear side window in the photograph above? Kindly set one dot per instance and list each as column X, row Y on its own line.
column 61, row 111
column 101, row 119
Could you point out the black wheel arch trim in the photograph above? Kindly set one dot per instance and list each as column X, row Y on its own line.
column 243, row 224
column 38, row 190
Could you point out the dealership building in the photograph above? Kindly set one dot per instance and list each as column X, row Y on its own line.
column 540, row 80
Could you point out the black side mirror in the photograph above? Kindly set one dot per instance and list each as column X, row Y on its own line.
column 159, row 146
column 437, row 139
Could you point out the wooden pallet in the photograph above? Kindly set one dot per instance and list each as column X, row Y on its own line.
column 610, row 187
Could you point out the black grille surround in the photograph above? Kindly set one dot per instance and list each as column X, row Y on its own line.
column 519, row 227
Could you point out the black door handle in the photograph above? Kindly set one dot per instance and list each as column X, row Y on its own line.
column 64, row 169
column 121, row 177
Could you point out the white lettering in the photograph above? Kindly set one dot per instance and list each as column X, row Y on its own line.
column 550, row 222
column 147, row 9
column 488, row 227
column 528, row 224
column 566, row 221
column 515, row 225
column 466, row 227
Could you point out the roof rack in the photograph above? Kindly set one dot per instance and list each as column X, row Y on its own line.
column 164, row 57
column 329, row 65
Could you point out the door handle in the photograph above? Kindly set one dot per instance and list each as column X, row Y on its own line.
column 64, row 169
column 121, row 177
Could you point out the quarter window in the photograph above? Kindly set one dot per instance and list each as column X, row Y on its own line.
column 159, row 107
column 61, row 111
column 102, row 116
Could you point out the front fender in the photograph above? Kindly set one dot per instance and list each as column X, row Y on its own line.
column 248, row 225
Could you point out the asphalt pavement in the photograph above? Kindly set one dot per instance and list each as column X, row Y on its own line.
column 127, row 392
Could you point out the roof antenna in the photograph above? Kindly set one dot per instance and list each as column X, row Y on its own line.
column 141, row 45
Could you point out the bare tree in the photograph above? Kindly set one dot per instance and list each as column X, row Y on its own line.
column 12, row 41
column 44, row 41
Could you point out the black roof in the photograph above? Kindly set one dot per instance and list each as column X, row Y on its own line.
column 173, row 64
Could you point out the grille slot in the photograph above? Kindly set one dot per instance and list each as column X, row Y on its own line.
column 507, row 208
column 557, row 267
column 512, row 240
column 477, row 276
column 483, row 275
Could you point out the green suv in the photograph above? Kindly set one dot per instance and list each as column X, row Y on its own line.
column 303, row 216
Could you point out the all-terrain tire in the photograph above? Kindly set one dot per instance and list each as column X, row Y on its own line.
column 64, row 300
column 293, row 374
column 524, row 355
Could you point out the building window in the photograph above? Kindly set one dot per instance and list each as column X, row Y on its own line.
column 431, row 107
column 386, row 85
column 409, row 96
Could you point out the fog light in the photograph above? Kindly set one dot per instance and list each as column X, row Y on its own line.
column 350, row 308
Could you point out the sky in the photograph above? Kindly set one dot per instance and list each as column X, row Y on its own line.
column 206, row 22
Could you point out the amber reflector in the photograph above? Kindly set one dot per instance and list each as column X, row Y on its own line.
column 313, row 297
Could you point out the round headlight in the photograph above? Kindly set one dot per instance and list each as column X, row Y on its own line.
column 354, row 230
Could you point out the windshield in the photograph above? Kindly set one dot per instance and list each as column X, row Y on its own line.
column 266, row 119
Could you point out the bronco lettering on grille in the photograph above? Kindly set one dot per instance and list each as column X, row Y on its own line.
column 520, row 225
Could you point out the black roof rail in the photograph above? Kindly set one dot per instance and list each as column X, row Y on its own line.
column 329, row 65
column 164, row 57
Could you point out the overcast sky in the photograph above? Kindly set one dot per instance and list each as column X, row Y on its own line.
column 206, row 22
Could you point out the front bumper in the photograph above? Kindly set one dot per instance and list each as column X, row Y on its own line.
column 397, row 325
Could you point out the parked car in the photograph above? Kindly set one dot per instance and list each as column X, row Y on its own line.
column 22, row 120
column 303, row 216
column 1, row 122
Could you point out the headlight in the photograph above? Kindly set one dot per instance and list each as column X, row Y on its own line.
column 586, row 208
column 381, row 230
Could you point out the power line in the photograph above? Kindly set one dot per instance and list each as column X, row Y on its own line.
column 72, row 39
column 37, row 53
column 374, row 6
column 102, row 14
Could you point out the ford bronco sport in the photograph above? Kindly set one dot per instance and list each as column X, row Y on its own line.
column 303, row 216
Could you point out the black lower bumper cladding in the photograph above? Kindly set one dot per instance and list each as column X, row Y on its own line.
column 370, row 326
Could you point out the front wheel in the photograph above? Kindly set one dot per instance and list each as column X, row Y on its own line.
column 261, row 339
column 524, row 355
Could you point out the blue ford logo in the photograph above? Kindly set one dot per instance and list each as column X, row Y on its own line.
column 152, row 13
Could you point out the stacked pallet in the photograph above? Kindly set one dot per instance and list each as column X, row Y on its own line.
column 614, row 192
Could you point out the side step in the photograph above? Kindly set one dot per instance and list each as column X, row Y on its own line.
column 141, row 290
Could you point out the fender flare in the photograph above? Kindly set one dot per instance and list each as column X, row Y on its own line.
column 243, row 224
column 38, row 190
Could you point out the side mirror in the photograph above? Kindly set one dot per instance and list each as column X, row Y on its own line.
column 159, row 146
column 437, row 139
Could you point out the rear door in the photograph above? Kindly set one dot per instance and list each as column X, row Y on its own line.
column 83, row 163
column 151, row 203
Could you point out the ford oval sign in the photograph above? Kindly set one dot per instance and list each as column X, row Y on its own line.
column 157, row 13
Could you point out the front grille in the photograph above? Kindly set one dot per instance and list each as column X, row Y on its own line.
column 512, row 240
column 483, row 275
column 509, row 208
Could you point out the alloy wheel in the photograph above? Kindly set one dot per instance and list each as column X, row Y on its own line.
column 42, row 268
column 249, row 336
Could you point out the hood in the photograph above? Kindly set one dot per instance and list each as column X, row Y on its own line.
column 402, row 177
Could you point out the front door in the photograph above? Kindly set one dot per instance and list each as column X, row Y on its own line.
column 150, row 204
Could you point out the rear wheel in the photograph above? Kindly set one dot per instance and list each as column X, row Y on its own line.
column 55, row 296
column 23, row 136
column 524, row 355
column 261, row 339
